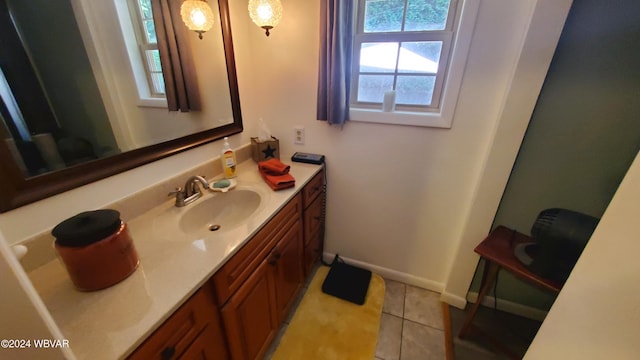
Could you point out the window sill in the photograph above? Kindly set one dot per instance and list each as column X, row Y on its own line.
column 153, row 102
column 436, row 120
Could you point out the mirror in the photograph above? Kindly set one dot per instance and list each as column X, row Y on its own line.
column 82, row 115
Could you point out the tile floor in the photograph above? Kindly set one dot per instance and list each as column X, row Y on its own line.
column 411, row 326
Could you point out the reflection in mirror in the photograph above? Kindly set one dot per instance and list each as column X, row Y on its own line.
column 81, row 94
column 51, row 106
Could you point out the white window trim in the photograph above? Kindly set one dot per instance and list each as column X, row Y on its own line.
column 140, row 76
column 153, row 102
column 468, row 10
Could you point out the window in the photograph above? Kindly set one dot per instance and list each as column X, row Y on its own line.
column 408, row 46
column 145, row 32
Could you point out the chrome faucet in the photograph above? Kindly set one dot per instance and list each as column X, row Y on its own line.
column 191, row 191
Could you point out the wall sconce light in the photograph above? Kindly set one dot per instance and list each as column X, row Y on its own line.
column 197, row 15
column 265, row 13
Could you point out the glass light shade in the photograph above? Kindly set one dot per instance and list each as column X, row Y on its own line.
column 265, row 13
column 197, row 15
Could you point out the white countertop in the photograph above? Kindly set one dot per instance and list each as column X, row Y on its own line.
column 111, row 323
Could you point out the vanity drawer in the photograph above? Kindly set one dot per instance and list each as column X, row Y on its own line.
column 177, row 333
column 234, row 272
column 313, row 188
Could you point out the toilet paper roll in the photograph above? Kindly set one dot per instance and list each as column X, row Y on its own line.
column 389, row 102
column 49, row 151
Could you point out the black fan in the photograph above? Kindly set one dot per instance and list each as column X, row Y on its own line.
column 559, row 237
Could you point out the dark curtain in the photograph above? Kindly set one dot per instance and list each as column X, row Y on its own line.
column 336, row 44
column 180, row 80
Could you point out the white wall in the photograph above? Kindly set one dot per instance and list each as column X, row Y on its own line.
column 597, row 314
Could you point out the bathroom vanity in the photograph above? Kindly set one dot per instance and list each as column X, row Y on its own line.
column 200, row 293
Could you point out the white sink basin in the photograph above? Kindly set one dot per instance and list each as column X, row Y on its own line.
column 220, row 212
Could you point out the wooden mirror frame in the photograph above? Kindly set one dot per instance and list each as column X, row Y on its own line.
column 16, row 190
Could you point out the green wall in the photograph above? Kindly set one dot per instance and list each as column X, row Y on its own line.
column 585, row 129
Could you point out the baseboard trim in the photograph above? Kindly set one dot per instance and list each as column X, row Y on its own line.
column 510, row 307
column 453, row 300
column 391, row 274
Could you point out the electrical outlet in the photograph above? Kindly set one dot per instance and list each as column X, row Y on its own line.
column 298, row 137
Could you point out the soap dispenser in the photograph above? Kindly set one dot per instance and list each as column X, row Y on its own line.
column 228, row 160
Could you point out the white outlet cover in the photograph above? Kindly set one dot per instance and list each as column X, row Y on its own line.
column 298, row 137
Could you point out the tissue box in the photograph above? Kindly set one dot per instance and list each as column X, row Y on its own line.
column 265, row 150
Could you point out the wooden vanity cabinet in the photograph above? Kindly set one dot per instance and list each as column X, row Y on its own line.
column 256, row 289
column 193, row 331
column 261, row 289
column 314, row 216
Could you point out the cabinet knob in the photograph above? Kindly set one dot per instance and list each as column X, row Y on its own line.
column 274, row 259
column 168, row 353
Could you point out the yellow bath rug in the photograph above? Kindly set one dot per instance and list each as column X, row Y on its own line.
column 325, row 327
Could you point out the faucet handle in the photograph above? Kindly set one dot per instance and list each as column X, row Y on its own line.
column 179, row 194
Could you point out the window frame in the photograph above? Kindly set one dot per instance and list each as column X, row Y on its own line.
column 143, row 46
column 456, row 39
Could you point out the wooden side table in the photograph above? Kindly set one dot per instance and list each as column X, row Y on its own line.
column 497, row 250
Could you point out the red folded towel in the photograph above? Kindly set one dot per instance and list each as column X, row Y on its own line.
column 279, row 182
column 276, row 174
column 274, row 167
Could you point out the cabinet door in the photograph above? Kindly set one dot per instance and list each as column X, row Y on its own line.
column 286, row 258
column 250, row 315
